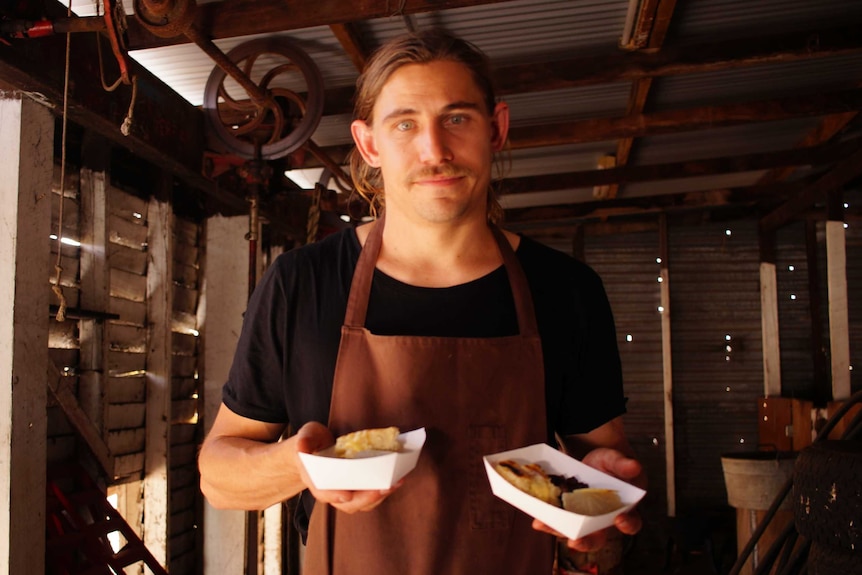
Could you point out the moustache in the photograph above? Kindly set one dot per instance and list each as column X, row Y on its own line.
column 447, row 171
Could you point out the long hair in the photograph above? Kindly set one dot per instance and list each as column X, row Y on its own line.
column 414, row 48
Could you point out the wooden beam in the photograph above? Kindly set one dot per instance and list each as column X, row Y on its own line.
column 26, row 138
column 676, row 60
column 667, row 369
column 650, row 30
column 646, row 205
column 769, row 316
column 157, row 462
column 827, row 128
column 348, row 37
column 673, row 121
column 233, row 18
column 814, row 156
column 843, row 172
column 822, row 386
column 836, row 282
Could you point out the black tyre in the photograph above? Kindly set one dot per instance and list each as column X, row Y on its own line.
column 825, row 560
column 827, row 494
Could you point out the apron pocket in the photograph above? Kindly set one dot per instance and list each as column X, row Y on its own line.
column 486, row 510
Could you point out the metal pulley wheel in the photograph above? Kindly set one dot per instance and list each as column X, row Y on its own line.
column 288, row 114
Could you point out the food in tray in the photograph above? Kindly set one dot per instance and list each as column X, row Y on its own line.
column 352, row 444
column 566, row 492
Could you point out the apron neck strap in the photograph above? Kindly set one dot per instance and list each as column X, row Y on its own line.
column 360, row 288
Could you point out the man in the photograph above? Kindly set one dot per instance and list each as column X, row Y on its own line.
column 439, row 331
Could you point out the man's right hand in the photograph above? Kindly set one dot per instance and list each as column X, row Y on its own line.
column 314, row 436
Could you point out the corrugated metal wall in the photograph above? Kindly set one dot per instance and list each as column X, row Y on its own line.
column 629, row 269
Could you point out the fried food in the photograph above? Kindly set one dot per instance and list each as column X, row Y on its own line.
column 352, row 444
column 530, row 478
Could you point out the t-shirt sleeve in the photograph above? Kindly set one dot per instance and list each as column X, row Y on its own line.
column 593, row 390
column 254, row 386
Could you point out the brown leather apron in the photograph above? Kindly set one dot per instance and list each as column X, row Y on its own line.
column 474, row 396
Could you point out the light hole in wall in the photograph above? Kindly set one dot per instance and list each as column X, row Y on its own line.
column 728, row 232
column 791, row 268
column 659, row 279
column 629, row 337
column 793, row 296
column 661, row 309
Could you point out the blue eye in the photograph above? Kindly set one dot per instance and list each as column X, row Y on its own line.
column 404, row 125
column 457, row 120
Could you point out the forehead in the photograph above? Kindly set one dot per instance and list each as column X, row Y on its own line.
column 438, row 83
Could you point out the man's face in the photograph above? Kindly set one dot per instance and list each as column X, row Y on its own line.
column 434, row 141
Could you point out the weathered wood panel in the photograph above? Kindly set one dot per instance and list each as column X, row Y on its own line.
column 184, row 411
column 185, row 299
column 125, row 233
column 126, row 441
column 126, row 416
column 130, row 312
column 185, row 275
column 126, row 389
column 126, row 206
column 127, row 259
column 64, row 358
column 128, row 285
column 186, row 254
column 183, row 434
column 184, row 322
column 126, row 364
column 184, row 365
column 184, row 344
column 127, row 338
column 129, row 465
column 184, row 388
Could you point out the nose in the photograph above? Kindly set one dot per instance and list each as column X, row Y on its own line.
column 434, row 145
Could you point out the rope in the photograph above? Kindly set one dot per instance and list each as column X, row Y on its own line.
column 126, row 127
column 57, row 288
column 313, row 216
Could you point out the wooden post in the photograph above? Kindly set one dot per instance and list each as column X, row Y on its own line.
column 225, row 303
column 769, row 315
column 667, row 371
column 836, row 274
column 26, row 164
column 95, row 281
column 158, row 421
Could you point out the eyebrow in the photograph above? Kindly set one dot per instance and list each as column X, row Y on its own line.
column 460, row 105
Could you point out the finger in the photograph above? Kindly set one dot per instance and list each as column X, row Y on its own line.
column 591, row 542
column 628, row 523
column 539, row 526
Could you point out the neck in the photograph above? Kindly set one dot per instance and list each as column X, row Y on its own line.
column 436, row 255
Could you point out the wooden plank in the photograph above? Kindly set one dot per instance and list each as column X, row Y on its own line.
column 128, row 286
column 769, row 330
column 130, row 312
column 184, row 497
column 183, row 455
column 775, row 423
column 127, row 259
column 183, row 434
column 127, row 338
column 839, row 324
column 126, row 416
column 185, row 275
column 183, row 343
column 95, row 277
column 132, row 234
column 160, row 242
column 184, row 388
column 184, row 365
column 79, row 419
column 667, row 369
column 186, row 232
column 131, row 465
column 126, row 364
column 127, row 206
column 126, row 441
column 184, row 322
column 70, row 266
column 185, row 299
column 185, row 411
column 64, row 358
column 186, row 254
column 126, row 389
column 348, row 36
column 61, row 449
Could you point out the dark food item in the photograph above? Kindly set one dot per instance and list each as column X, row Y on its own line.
column 567, row 484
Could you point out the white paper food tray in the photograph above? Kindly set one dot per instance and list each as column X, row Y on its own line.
column 572, row 525
column 374, row 470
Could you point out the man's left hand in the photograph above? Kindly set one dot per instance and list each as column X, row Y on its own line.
column 619, row 465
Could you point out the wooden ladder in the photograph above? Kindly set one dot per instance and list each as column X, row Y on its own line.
column 79, row 519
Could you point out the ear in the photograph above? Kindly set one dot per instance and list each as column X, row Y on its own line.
column 499, row 126
column 363, row 136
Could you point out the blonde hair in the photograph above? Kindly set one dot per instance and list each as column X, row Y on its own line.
column 414, row 48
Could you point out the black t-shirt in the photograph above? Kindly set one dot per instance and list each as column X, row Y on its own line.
column 285, row 359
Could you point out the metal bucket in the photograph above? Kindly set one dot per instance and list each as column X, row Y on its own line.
column 754, row 478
